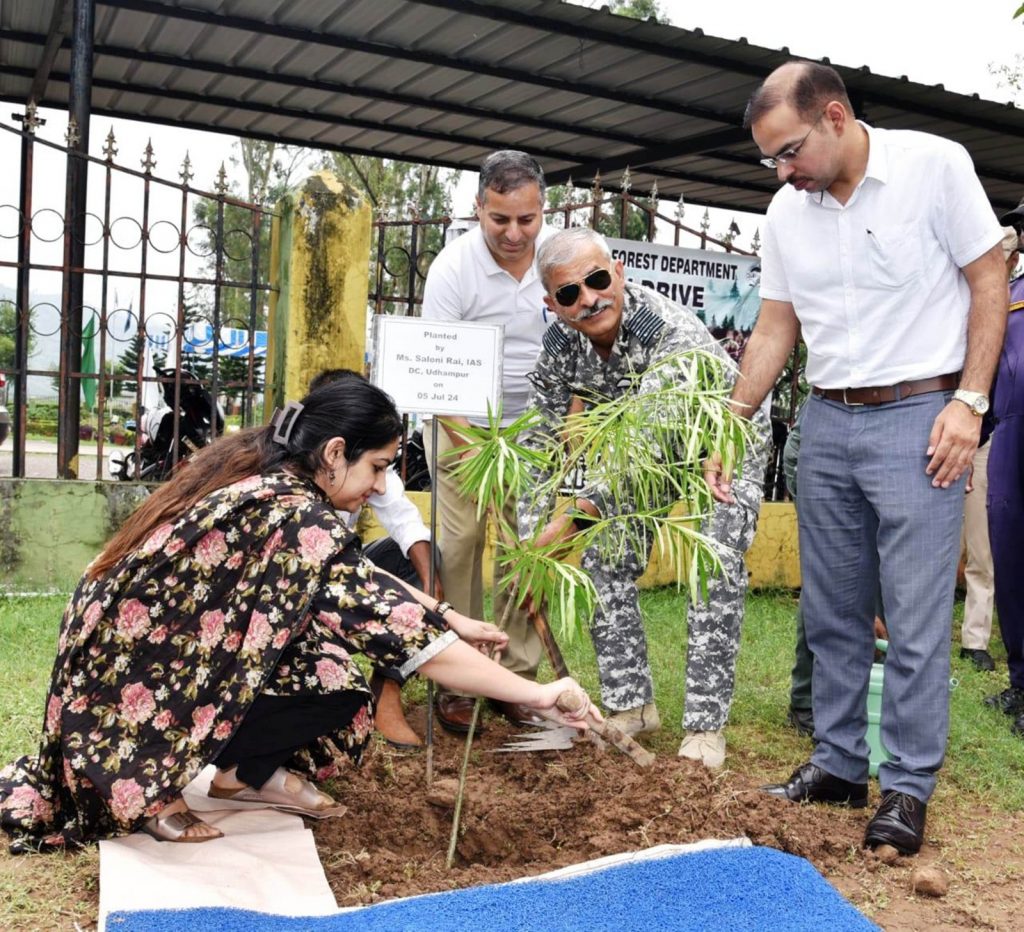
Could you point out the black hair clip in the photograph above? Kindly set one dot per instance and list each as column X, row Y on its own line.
column 283, row 422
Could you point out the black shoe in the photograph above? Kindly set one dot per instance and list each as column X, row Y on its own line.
column 981, row 659
column 1010, row 701
column 812, row 784
column 899, row 822
column 802, row 721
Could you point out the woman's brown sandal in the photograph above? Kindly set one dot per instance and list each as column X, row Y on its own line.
column 174, row 825
column 306, row 801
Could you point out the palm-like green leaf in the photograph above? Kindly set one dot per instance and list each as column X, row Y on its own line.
column 500, row 466
column 644, row 450
column 567, row 591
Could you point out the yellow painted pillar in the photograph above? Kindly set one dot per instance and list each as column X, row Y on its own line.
column 319, row 268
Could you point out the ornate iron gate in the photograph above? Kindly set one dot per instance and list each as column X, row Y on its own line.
column 174, row 286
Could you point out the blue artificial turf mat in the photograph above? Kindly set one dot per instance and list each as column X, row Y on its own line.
column 725, row 889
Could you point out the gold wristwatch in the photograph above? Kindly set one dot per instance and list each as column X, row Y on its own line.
column 976, row 401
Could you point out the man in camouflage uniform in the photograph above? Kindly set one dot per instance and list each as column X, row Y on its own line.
column 608, row 333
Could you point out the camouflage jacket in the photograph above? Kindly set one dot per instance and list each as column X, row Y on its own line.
column 652, row 329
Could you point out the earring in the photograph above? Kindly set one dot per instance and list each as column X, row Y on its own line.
column 331, row 477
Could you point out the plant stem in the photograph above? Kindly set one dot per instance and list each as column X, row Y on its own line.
column 453, row 840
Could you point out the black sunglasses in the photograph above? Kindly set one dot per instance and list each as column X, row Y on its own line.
column 598, row 280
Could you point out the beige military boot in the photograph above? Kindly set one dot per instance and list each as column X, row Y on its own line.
column 706, row 746
column 640, row 720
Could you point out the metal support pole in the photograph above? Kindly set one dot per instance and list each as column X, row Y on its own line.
column 29, row 122
column 79, row 107
column 433, row 570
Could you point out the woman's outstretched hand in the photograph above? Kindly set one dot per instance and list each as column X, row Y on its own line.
column 547, row 703
column 481, row 634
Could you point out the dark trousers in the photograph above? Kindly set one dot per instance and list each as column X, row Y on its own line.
column 1006, row 496
column 387, row 555
column 1005, row 524
column 275, row 727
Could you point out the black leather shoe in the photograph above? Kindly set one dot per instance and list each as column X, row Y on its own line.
column 802, row 721
column 812, row 784
column 1010, row 701
column 899, row 822
column 455, row 713
column 517, row 713
column 981, row 659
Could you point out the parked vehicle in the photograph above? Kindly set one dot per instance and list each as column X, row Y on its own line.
column 199, row 422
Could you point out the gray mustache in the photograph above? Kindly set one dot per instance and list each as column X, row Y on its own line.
column 595, row 308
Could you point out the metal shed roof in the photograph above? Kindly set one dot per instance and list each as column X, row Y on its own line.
column 447, row 81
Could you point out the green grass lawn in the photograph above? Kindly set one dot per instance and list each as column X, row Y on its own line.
column 983, row 759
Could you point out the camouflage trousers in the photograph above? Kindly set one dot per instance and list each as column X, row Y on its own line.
column 713, row 623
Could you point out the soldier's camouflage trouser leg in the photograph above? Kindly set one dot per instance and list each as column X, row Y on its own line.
column 617, row 629
column 713, row 625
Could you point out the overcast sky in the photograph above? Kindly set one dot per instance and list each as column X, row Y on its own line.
column 929, row 41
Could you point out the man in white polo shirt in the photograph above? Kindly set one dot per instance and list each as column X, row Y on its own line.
column 489, row 275
column 882, row 250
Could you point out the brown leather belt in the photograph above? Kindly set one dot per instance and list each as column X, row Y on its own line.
column 885, row 394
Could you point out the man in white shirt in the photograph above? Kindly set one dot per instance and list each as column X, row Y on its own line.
column 489, row 275
column 404, row 553
column 882, row 250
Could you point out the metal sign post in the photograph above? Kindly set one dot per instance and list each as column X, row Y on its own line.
column 432, row 368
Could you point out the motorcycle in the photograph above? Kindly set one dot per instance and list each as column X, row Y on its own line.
column 158, row 454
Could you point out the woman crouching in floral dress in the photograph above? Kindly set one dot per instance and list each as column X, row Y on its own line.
column 219, row 625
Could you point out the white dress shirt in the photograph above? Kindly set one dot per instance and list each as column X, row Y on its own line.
column 396, row 514
column 465, row 283
column 876, row 283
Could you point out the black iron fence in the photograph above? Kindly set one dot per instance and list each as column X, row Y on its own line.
column 174, row 288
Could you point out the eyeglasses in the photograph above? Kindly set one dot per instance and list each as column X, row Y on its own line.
column 598, row 280
column 787, row 155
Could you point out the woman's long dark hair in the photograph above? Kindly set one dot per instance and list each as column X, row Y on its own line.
column 350, row 408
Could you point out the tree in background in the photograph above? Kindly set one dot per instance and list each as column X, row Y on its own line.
column 640, row 9
column 268, row 170
column 128, row 363
column 610, row 222
column 1012, row 75
column 8, row 332
column 400, row 191
column 267, row 173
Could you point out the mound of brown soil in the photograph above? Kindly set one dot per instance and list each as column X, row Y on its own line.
column 528, row 813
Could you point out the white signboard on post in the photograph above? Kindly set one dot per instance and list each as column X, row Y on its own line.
column 435, row 367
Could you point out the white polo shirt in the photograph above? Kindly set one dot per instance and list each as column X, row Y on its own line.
column 876, row 283
column 399, row 517
column 465, row 283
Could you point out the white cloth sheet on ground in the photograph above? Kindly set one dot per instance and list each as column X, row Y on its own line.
column 267, row 861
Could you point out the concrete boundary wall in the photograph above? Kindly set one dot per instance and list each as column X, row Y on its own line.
column 51, row 529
